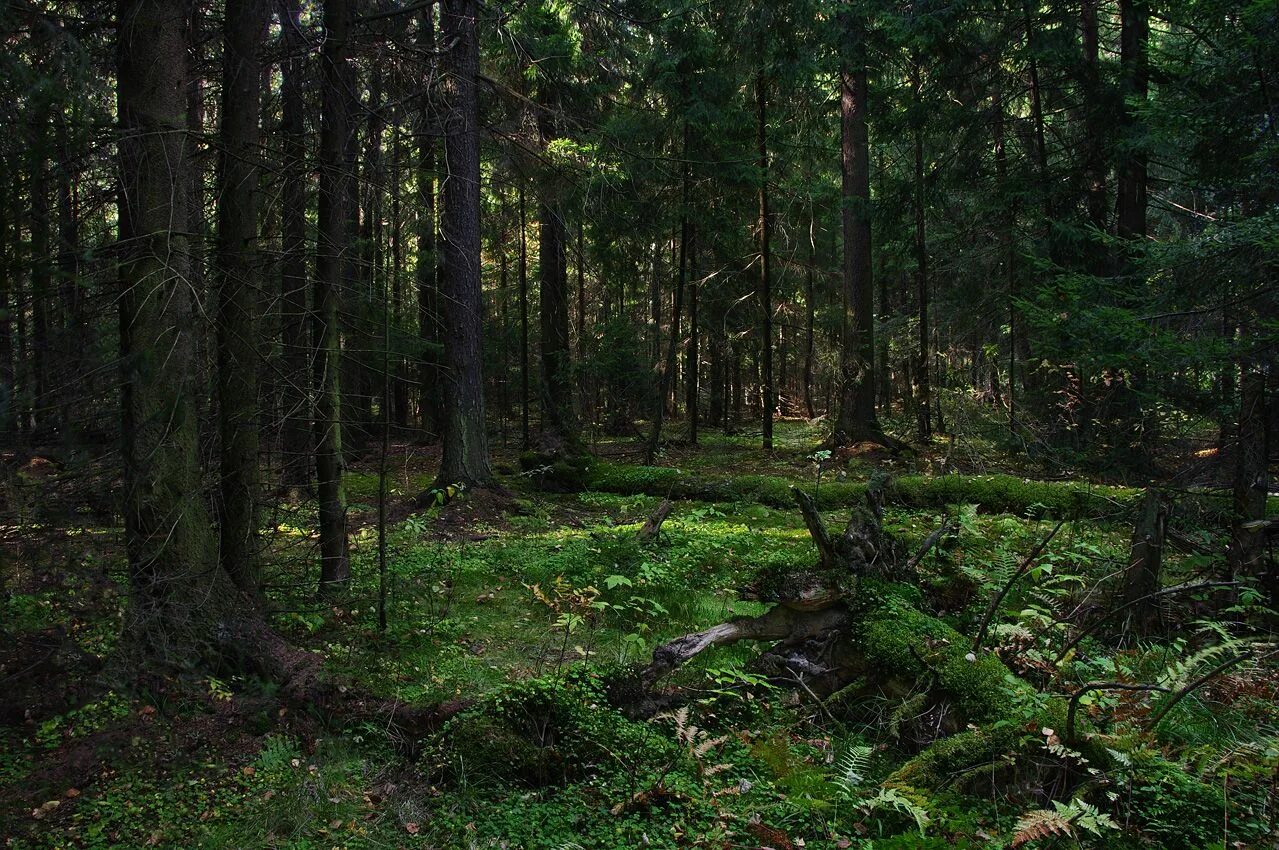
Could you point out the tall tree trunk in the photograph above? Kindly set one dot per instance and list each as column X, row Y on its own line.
column 334, row 233
column 692, row 359
column 767, row 390
column 399, row 401
column 239, row 286
column 559, row 433
column 526, row 437
column 294, row 433
column 75, row 330
column 1251, row 481
column 466, row 456
column 923, row 401
column 856, row 419
column 668, row 369
column 810, row 314
column 430, row 328
column 1134, row 84
column 8, row 271
column 176, row 587
column 41, row 264
column 1094, row 164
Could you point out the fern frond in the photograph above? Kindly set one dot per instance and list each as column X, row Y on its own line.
column 850, row 768
column 891, row 798
column 1040, row 823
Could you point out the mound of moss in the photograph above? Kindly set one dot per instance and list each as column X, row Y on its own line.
column 991, row 493
column 546, row 731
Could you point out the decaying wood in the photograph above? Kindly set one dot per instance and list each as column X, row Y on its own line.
column 859, row 546
column 777, row 624
column 653, row 525
column 1145, row 561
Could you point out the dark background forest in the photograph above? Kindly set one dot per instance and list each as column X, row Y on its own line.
column 432, row 423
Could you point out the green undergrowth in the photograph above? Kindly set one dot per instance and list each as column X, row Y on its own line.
column 536, row 619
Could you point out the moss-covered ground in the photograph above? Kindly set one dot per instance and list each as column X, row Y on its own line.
column 530, row 613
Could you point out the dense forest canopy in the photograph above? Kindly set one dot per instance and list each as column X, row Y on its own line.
column 342, row 345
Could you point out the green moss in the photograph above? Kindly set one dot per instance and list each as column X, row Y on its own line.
column 952, row 757
column 904, row 642
column 992, row 493
column 546, row 731
column 558, row 473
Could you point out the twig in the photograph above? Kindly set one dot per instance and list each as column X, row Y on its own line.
column 929, row 542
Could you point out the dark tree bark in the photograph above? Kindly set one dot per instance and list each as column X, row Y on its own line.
column 668, row 368
column 466, row 456
column 1094, row 160
column 856, row 419
column 1130, row 206
column 923, row 401
column 559, row 434
column 430, row 330
column 296, row 402
column 810, row 314
column 74, row 330
column 41, row 263
column 767, row 390
column 8, row 270
column 239, row 287
column 177, row 590
column 692, row 359
column 1251, row 480
column 525, row 432
column 1145, row 562
column 334, row 234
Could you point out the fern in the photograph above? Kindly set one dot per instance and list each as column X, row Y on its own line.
column 850, row 768
column 1040, row 823
column 1063, row 819
column 894, row 800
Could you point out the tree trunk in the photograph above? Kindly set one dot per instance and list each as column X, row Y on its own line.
column 1134, row 85
column 1094, row 163
column 335, row 195
column 8, row 271
column 466, row 456
column 41, row 264
column 668, row 368
column 923, row 401
column 1145, row 561
column 810, row 311
column 177, row 590
column 692, row 361
column 1251, row 483
column 295, row 398
column 559, row 434
column 430, row 330
column 856, row 420
column 765, row 256
column 525, row 434
column 238, row 287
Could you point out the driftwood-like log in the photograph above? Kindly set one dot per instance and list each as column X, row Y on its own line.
column 653, row 525
column 777, row 624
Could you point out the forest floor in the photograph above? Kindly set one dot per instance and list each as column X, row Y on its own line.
column 528, row 610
